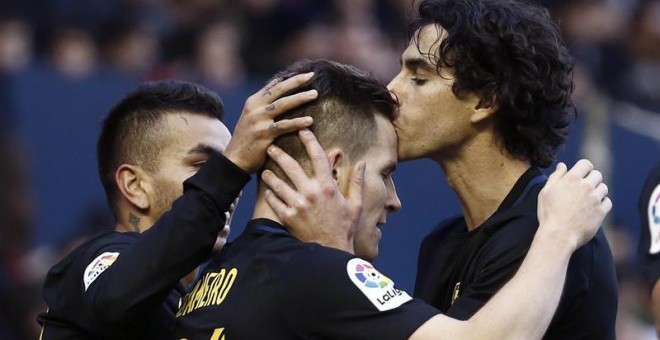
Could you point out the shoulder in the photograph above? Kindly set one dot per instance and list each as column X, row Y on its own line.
column 102, row 246
column 650, row 193
column 68, row 279
column 592, row 264
column 324, row 291
column 340, row 279
column 93, row 256
column 649, row 212
column 654, row 176
column 442, row 230
column 514, row 233
column 315, row 258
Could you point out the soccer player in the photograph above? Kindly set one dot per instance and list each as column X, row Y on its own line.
column 269, row 284
column 649, row 241
column 484, row 91
column 170, row 173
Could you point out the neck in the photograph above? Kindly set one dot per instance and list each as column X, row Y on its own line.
column 131, row 221
column 263, row 210
column 481, row 177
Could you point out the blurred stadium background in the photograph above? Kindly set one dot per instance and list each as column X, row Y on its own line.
column 64, row 62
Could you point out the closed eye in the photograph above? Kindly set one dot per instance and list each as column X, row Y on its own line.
column 199, row 164
column 419, row 81
column 388, row 171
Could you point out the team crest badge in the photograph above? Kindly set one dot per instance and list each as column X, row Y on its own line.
column 98, row 266
column 654, row 220
column 378, row 288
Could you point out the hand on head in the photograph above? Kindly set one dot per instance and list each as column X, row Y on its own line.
column 315, row 201
column 256, row 128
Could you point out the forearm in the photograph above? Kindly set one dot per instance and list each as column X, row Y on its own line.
column 155, row 263
column 180, row 240
column 524, row 307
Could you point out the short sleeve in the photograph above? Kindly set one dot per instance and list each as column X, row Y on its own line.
column 327, row 293
column 498, row 262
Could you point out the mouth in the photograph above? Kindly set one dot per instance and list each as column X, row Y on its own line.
column 379, row 225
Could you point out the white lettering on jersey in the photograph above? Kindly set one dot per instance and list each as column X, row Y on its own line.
column 378, row 288
column 98, row 266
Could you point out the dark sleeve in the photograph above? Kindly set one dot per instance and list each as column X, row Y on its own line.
column 330, row 294
column 500, row 259
column 649, row 213
column 144, row 273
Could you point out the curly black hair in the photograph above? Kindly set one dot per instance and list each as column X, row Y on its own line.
column 511, row 54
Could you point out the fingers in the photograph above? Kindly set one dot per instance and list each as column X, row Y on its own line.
column 557, row 174
column 228, row 218
column 279, row 188
column 606, row 205
column 316, row 154
column 581, row 168
column 594, row 178
column 278, row 87
column 601, row 191
column 277, row 205
column 287, row 103
column 290, row 166
column 224, row 233
column 268, row 100
column 229, row 214
column 290, row 125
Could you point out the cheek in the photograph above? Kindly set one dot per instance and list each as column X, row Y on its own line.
column 172, row 187
column 375, row 195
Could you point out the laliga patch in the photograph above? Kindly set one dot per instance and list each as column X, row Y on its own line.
column 378, row 288
column 654, row 220
column 98, row 266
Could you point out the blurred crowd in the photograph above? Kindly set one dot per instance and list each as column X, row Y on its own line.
column 212, row 41
column 228, row 44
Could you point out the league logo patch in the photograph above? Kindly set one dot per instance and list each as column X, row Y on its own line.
column 98, row 266
column 378, row 288
column 654, row 220
column 370, row 277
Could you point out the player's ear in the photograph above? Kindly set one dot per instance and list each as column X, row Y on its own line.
column 484, row 109
column 340, row 167
column 133, row 184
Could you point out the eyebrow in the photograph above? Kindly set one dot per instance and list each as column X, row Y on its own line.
column 201, row 148
column 418, row 63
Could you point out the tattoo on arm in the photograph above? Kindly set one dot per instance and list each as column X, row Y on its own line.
column 134, row 221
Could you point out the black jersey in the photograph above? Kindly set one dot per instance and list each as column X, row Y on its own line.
column 459, row 271
column 269, row 285
column 126, row 285
column 649, row 212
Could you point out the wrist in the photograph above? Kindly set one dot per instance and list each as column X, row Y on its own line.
column 561, row 242
column 238, row 161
